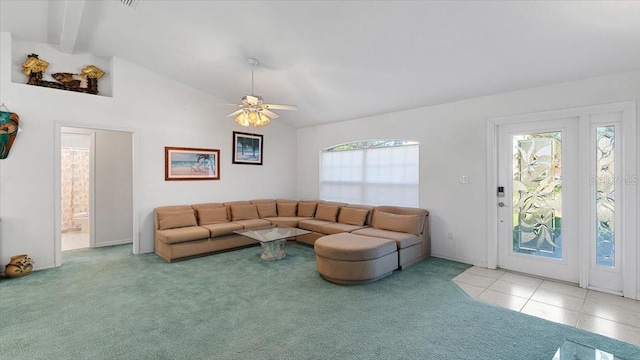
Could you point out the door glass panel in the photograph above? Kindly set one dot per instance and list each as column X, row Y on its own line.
column 605, row 196
column 537, row 194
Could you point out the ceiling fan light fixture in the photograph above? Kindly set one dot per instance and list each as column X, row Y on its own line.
column 253, row 111
column 262, row 120
column 252, row 118
column 243, row 120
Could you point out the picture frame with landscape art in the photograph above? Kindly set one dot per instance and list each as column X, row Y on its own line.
column 182, row 163
column 247, row 148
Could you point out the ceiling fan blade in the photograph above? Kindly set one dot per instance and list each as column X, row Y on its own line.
column 235, row 113
column 236, row 105
column 270, row 114
column 279, row 107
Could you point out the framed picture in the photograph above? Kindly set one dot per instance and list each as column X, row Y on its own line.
column 191, row 164
column 247, row 148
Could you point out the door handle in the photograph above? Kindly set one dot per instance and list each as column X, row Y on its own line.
column 501, row 204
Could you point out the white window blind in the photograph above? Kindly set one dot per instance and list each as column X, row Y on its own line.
column 374, row 175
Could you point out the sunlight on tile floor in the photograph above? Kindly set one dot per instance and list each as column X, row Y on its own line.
column 609, row 315
column 75, row 240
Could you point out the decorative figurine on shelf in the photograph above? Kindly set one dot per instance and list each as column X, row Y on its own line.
column 8, row 130
column 68, row 79
column 87, row 82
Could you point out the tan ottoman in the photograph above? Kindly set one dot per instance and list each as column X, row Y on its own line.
column 355, row 259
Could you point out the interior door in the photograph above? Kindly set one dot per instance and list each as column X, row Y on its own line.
column 538, row 173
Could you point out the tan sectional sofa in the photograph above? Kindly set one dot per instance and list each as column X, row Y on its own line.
column 186, row 231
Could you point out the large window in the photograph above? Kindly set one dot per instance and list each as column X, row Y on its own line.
column 373, row 172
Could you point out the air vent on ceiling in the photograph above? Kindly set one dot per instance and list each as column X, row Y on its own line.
column 130, row 3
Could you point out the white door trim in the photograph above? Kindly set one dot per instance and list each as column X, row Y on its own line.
column 631, row 255
column 57, row 183
column 632, row 203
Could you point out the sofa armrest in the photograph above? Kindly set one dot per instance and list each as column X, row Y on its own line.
column 424, row 227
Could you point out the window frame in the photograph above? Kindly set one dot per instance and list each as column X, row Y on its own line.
column 364, row 183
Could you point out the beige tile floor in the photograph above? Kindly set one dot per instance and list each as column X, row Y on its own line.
column 74, row 240
column 609, row 315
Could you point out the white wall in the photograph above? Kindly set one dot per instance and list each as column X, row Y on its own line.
column 453, row 143
column 160, row 112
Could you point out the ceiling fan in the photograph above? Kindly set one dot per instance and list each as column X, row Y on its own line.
column 253, row 110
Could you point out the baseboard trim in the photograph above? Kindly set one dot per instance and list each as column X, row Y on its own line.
column 458, row 260
column 115, row 242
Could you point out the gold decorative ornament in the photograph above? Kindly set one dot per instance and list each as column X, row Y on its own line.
column 92, row 72
column 34, row 65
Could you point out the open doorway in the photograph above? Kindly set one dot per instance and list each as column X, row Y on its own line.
column 76, row 181
column 96, row 188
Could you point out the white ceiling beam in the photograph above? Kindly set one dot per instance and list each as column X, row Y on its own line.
column 71, row 24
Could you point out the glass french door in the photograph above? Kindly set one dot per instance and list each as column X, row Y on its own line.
column 606, row 189
column 539, row 211
column 562, row 199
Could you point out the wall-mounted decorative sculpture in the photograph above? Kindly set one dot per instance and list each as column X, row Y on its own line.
column 8, row 130
column 86, row 82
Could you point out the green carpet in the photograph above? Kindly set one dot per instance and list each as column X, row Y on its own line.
column 108, row 304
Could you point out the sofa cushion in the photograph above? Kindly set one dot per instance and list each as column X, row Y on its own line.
column 334, row 228
column 291, row 221
column 176, row 219
column 253, row 223
column 422, row 213
column 212, row 216
column 183, row 234
column 287, row 209
column 222, row 229
column 327, row 212
column 267, row 209
column 229, row 204
column 314, row 225
column 369, row 208
column 403, row 240
column 244, row 212
column 307, row 209
column 350, row 247
column 353, row 216
column 395, row 222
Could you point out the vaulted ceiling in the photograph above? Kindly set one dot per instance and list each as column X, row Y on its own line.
column 339, row 60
